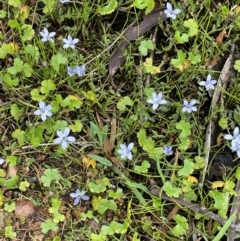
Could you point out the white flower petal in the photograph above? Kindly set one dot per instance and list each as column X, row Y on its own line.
column 57, row 140
column 66, row 131
column 64, row 144
column 130, row 146
column 71, row 139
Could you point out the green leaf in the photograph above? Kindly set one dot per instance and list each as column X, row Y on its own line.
column 236, row 65
column 11, row 183
column 180, row 60
column 147, row 143
column 28, row 32
column 187, row 168
column 194, row 59
column 117, row 194
column 57, row 217
column 9, row 232
column 16, row 68
column 109, row 8
column 141, row 4
column 98, row 237
column 9, row 207
column 181, row 227
column 145, row 45
column 11, row 160
column 192, row 25
column 184, row 143
column 223, row 123
column 105, row 205
column 16, row 112
column 99, row 185
column 200, row 162
column 49, row 225
column 85, row 216
column 56, row 60
column 218, row 198
column 149, row 66
column 14, row 3
column 47, row 86
column 3, row 14
column 77, row 127
column 50, row 175
column 7, row 78
column 35, row 95
column 24, row 185
column 20, row 136
column 185, row 128
column 181, row 39
column 123, row 102
column 118, row 227
column 101, row 160
column 6, row 49
column 238, row 173
column 49, row 6
column 229, row 187
column 143, row 168
column 171, row 190
column 27, row 70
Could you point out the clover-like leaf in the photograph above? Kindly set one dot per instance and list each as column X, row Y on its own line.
column 143, row 168
column 50, row 175
column 47, row 86
column 123, row 102
column 99, row 185
column 185, row 128
column 149, row 66
column 49, row 225
column 28, row 32
column 199, row 162
column 180, row 60
column 181, row 38
column 181, row 227
column 192, row 25
column 145, row 46
column 194, row 59
column 20, row 136
column 109, row 8
column 141, row 4
column 236, row 64
column 56, row 60
column 187, row 168
column 171, row 190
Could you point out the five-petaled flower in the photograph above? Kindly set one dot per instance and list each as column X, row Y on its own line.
column 125, row 151
column 46, row 36
column 70, row 42
column 170, row 12
column 78, row 195
column 167, row 150
column 209, row 83
column 63, row 138
column 44, row 111
column 156, row 100
column 189, row 106
column 79, row 70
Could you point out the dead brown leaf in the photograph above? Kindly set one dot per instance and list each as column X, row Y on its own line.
column 220, row 37
column 24, row 208
column 109, row 142
column 12, row 171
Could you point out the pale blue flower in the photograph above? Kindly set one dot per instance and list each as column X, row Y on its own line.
column 189, row 106
column 70, row 42
column 44, row 111
column 63, row 138
column 167, row 150
column 209, row 83
column 170, row 12
column 156, row 100
column 1, row 161
column 125, row 151
column 80, row 70
column 71, row 71
column 78, row 195
column 235, row 146
column 46, row 36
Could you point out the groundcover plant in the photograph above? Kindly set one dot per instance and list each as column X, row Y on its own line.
column 119, row 120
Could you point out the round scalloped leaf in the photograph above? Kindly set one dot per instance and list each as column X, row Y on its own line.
column 109, row 8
